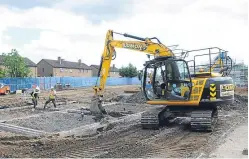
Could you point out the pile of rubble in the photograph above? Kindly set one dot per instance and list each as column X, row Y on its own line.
column 241, row 98
column 240, row 103
column 134, row 98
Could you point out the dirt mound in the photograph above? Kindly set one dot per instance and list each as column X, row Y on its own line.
column 240, row 103
column 135, row 98
column 241, row 98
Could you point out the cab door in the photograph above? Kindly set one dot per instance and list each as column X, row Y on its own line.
column 171, row 80
column 178, row 80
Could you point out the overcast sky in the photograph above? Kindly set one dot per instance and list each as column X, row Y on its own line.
column 76, row 29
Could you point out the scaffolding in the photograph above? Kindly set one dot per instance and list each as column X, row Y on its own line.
column 239, row 74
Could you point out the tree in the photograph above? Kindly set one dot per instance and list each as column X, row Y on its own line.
column 15, row 65
column 2, row 73
column 129, row 71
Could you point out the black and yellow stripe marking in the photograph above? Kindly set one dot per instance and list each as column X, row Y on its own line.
column 212, row 91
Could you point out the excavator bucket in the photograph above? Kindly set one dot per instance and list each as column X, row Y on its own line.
column 96, row 108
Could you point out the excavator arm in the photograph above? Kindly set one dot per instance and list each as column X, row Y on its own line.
column 144, row 45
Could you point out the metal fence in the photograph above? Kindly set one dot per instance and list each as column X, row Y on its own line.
column 75, row 82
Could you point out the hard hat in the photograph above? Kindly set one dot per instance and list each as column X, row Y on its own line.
column 201, row 70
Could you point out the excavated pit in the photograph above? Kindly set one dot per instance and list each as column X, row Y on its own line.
column 53, row 122
column 61, row 120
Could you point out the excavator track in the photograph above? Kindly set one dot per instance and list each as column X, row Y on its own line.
column 204, row 120
column 150, row 119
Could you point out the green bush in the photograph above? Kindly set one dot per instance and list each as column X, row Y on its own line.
column 129, row 71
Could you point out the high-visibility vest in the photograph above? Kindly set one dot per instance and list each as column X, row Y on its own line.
column 52, row 95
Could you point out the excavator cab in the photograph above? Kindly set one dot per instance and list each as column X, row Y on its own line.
column 171, row 80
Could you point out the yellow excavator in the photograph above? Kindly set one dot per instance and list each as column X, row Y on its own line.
column 179, row 91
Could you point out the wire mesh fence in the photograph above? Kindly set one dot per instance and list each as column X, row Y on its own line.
column 74, row 82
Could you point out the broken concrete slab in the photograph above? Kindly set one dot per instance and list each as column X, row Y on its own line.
column 94, row 128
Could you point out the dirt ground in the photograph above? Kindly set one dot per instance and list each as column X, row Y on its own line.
column 235, row 142
column 129, row 140
column 79, row 95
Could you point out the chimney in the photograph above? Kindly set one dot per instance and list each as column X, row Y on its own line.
column 79, row 61
column 113, row 65
column 59, row 60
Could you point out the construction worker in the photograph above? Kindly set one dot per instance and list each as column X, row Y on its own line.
column 52, row 95
column 34, row 95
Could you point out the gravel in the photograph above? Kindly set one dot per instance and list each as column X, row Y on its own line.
column 53, row 122
column 17, row 114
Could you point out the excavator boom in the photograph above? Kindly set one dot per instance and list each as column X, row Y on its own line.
column 144, row 45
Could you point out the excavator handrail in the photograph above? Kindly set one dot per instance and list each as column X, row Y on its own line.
column 218, row 60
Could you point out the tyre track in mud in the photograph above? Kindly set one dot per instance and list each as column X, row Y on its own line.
column 133, row 142
column 192, row 144
column 98, row 146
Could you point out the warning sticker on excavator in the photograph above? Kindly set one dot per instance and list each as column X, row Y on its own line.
column 212, row 91
column 226, row 90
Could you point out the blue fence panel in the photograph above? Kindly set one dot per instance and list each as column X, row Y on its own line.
column 75, row 82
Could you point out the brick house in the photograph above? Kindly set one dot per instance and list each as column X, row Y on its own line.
column 113, row 72
column 30, row 64
column 62, row 68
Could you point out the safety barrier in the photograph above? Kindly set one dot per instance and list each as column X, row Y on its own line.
column 75, row 82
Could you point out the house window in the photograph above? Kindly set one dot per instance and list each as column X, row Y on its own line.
column 61, row 69
column 71, row 71
column 42, row 69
